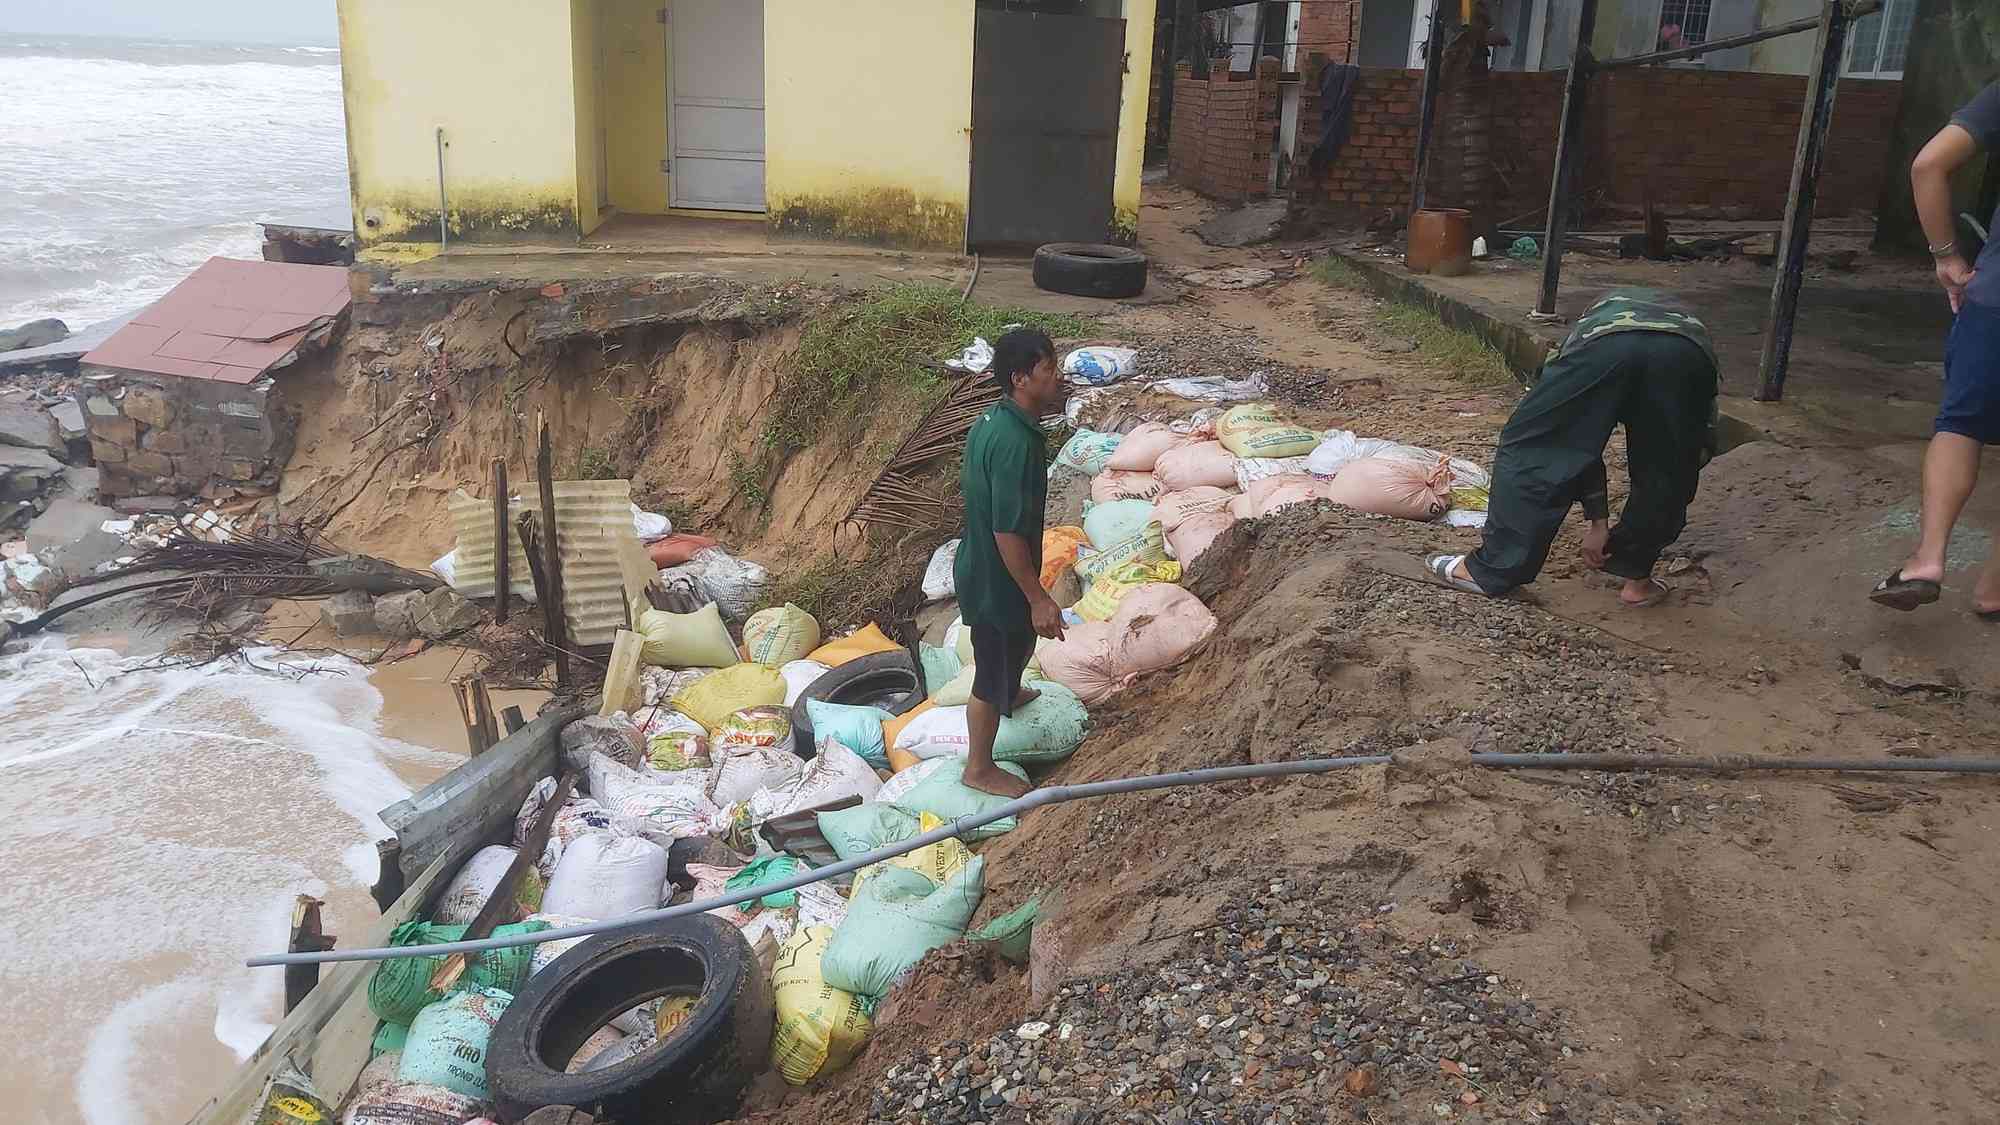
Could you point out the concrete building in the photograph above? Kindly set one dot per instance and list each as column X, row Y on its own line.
column 895, row 122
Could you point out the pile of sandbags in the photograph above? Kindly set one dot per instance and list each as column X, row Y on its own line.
column 1156, row 626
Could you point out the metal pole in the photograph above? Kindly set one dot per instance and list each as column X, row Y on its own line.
column 1797, row 231
column 1427, row 111
column 1568, row 145
column 1860, row 8
column 444, row 209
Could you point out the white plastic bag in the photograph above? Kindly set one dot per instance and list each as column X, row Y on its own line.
column 834, row 775
column 1250, row 470
column 650, row 525
column 473, row 885
column 1214, row 388
column 607, row 875
column 1096, row 365
column 799, row 675
column 938, row 583
column 977, row 357
column 446, row 567
column 740, row 771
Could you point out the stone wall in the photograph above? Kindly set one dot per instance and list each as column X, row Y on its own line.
column 160, row 435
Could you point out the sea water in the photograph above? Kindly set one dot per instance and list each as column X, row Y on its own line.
column 124, row 164
column 155, row 828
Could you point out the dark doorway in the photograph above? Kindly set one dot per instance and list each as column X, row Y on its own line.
column 1045, row 92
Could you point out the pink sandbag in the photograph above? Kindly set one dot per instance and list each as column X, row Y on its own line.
column 1197, row 533
column 1142, row 447
column 1175, row 508
column 1387, row 486
column 1195, row 465
column 1272, row 493
column 1156, row 626
column 1113, row 484
column 1081, row 661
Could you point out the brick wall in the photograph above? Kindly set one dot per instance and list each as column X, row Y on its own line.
column 1223, row 131
column 1330, row 29
column 1372, row 171
column 165, row 435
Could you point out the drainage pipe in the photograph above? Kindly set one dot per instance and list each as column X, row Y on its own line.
column 1057, row 794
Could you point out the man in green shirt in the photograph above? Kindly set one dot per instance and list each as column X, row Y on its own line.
column 998, row 569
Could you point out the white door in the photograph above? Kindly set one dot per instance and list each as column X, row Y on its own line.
column 716, row 104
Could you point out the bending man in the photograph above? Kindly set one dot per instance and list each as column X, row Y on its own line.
column 1632, row 359
column 998, row 569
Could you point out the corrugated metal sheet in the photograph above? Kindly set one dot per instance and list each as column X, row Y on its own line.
column 605, row 568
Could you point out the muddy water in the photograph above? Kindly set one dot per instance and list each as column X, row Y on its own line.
column 154, row 829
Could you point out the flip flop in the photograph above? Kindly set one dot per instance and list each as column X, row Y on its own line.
column 1661, row 592
column 1441, row 567
column 1906, row 594
column 1990, row 616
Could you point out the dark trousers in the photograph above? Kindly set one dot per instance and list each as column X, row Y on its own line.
column 1660, row 387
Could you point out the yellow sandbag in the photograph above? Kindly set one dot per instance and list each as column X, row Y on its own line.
column 713, row 698
column 893, row 727
column 937, row 862
column 779, row 635
column 1100, row 603
column 820, row 1028
column 686, row 640
column 862, row 642
column 1149, row 546
column 1255, row 430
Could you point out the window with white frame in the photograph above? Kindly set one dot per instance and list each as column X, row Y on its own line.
column 1880, row 41
column 1683, row 23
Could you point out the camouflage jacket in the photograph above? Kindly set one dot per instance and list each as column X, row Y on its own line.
column 1637, row 310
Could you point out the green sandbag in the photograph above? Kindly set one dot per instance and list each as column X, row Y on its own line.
column 770, row 869
column 400, row 988
column 1047, row 730
column 865, row 827
column 896, row 917
column 388, row 1037
column 945, row 795
column 941, row 666
column 1010, row 932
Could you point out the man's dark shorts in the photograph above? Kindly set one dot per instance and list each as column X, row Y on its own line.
column 999, row 656
column 1971, row 405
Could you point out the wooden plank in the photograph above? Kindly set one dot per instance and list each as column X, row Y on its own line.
column 307, row 937
column 501, row 595
column 557, row 631
column 1797, row 231
column 1427, row 111
column 1569, row 149
column 621, row 681
column 513, row 719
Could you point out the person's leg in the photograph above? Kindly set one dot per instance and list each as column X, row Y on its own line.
column 1951, row 469
column 995, row 679
column 1666, row 422
column 1986, row 595
column 1968, row 418
column 1556, row 434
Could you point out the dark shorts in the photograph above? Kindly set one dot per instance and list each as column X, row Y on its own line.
column 1971, row 405
column 999, row 656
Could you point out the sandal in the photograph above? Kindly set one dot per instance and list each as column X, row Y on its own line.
column 1990, row 616
column 1441, row 567
column 1661, row 592
column 1906, row 594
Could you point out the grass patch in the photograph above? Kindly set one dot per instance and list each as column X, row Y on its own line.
column 1341, row 273
column 594, row 463
column 1463, row 355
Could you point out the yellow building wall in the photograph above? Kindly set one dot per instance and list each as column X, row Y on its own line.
column 867, row 120
column 1133, row 98
column 635, row 103
column 586, row 84
column 497, row 76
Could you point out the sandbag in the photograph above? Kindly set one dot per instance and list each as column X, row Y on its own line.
column 1176, row 508
column 835, row 774
column 1010, row 934
column 1086, row 451
column 1156, row 627
column 820, row 1028
column 862, row 828
column 1384, row 486
column 1250, row 470
column 944, row 794
column 762, row 727
column 401, row 988
column 799, row 675
column 937, row 862
column 1142, row 448
column 913, row 772
column 1255, row 430
column 577, row 816
column 865, row 641
column 673, row 550
column 1116, row 521
column 545, row 954
column 410, row 1103
column 938, row 583
column 677, row 749
column 731, row 583
column 1148, row 545
column 447, row 1045
column 940, row 665
column 1094, row 365
column 289, row 1098
column 685, row 640
column 1115, row 484
column 893, row 728
column 1101, row 600
column 664, row 813
column 1196, row 535
column 857, row 728
column 896, row 918
column 604, row 1039
column 1273, row 493
column 740, row 771
column 780, row 635
column 607, row 875
column 475, row 883
column 662, row 684
column 614, row 736
column 1059, row 546
column 1201, row 464
column 712, row 699
column 959, row 637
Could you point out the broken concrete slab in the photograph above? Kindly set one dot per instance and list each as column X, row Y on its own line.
column 68, row 417
column 1246, row 225
column 371, row 575
column 1229, row 277
column 396, row 614
column 26, row 473
column 67, row 520
column 63, row 356
column 350, row 613
column 444, row 612
column 26, row 424
column 145, row 505
column 34, row 334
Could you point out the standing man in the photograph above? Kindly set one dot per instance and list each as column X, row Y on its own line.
column 1633, row 358
column 1969, row 417
column 999, row 565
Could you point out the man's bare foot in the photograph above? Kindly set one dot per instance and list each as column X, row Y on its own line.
column 1025, row 696
column 1639, row 593
column 994, row 780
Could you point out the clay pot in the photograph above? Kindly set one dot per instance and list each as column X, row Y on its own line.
column 1440, row 242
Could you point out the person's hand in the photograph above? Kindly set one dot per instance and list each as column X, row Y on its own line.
column 1954, row 273
column 1047, row 618
column 1595, row 540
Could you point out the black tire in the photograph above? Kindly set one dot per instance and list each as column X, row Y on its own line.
column 889, row 680
column 696, row 1074
column 1090, row 269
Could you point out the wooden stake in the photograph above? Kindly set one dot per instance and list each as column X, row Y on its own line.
column 1797, row 231
column 482, row 713
column 389, row 881
column 512, row 719
column 500, row 544
column 1569, row 147
column 555, row 624
column 307, row 937
column 496, row 907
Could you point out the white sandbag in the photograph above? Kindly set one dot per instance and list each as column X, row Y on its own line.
column 446, row 567
column 1213, row 388
column 578, row 816
column 937, row 733
column 615, row 736
column 937, row 576
column 1096, row 365
column 600, row 1041
column 607, row 875
column 740, row 771
column 799, row 675
column 1250, row 470
column 473, row 885
column 835, row 774
column 731, row 583
column 409, row 1103
column 650, row 525
column 662, row 684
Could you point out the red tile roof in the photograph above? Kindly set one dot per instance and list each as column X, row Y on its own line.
column 229, row 320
